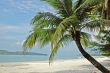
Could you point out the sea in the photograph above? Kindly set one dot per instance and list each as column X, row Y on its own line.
column 65, row 53
column 59, row 56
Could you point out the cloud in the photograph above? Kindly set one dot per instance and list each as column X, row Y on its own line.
column 14, row 32
column 8, row 27
column 14, row 28
column 30, row 5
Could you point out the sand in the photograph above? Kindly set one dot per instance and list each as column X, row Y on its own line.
column 59, row 66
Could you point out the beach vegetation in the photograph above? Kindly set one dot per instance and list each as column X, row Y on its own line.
column 71, row 22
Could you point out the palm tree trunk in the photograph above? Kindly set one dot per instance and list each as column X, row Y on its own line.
column 88, row 56
column 107, row 10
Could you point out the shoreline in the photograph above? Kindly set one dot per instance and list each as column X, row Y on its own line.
column 48, row 60
column 58, row 66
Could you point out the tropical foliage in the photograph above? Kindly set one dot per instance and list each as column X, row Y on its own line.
column 71, row 21
column 58, row 29
column 103, row 43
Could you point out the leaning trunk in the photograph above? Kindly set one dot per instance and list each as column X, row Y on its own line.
column 89, row 57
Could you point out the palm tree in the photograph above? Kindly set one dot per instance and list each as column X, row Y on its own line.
column 66, row 25
column 103, row 43
column 102, row 7
column 107, row 9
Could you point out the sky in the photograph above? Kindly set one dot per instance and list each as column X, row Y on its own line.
column 15, row 18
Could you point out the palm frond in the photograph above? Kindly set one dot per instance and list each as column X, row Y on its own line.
column 64, row 26
column 89, row 4
column 30, row 41
column 86, row 8
column 85, row 39
column 45, row 35
column 77, row 4
column 64, row 40
column 104, row 36
column 42, row 36
column 46, row 19
column 93, row 25
column 63, row 7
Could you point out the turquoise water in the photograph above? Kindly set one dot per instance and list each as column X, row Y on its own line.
column 23, row 58
column 69, row 52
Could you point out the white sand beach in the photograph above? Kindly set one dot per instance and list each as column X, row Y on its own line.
column 60, row 66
